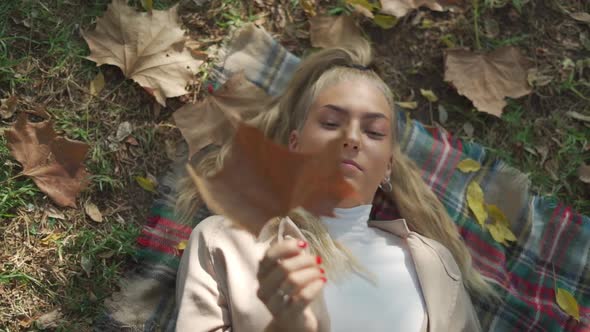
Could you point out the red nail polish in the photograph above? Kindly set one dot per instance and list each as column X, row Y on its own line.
column 302, row 244
column 324, row 279
column 318, row 259
column 322, row 270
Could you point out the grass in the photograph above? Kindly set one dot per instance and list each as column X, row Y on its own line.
column 69, row 262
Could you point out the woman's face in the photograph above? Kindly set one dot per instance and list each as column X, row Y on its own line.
column 358, row 110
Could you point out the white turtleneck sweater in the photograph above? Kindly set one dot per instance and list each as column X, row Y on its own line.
column 355, row 304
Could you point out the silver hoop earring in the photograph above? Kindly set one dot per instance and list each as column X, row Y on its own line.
column 386, row 186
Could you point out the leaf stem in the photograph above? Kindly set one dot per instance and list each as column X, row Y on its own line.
column 11, row 178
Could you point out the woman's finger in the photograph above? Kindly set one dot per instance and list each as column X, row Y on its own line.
column 284, row 274
column 282, row 250
column 291, row 286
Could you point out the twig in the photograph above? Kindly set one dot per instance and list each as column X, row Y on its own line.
column 476, row 23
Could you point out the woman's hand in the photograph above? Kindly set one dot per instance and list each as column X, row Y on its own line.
column 290, row 279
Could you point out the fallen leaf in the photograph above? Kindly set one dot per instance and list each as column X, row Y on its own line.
column 123, row 131
column 146, row 184
column 578, row 116
column 429, row 95
column 93, row 212
column 486, row 79
column 97, row 84
column 567, row 302
column 497, row 215
column 363, row 7
column 148, row 5
column 411, row 105
column 443, row 116
column 53, row 213
column 49, row 320
column 584, row 173
column 475, row 202
column 468, row 129
column 86, row 264
column 261, row 180
column 51, row 238
column 333, row 31
column 385, row 21
column 7, row 107
column 54, row 163
column 468, row 165
column 537, row 78
column 181, row 245
column 149, row 48
column 581, row 17
column 308, row 7
column 212, row 121
column 400, row 8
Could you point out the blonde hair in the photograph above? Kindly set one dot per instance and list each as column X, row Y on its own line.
column 279, row 116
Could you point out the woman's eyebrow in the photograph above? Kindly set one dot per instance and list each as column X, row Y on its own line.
column 345, row 111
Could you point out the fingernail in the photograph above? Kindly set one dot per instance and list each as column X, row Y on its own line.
column 301, row 244
column 322, row 270
column 318, row 259
column 324, row 279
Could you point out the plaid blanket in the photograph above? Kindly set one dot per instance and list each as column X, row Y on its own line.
column 550, row 235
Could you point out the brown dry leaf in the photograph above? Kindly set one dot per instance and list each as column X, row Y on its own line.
column 400, row 8
column 486, row 79
column 581, row 17
column 54, row 163
column 212, row 121
column 93, row 212
column 333, row 31
column 584, row 173
column 51, row 319
column 7, row 107
column 149, row 48
column 261, row 180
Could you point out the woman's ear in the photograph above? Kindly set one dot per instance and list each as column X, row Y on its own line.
column 389, row 167
column 294, row 140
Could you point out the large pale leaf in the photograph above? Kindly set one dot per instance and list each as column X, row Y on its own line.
column 333, row 31
column 486, row 79
column 54, row 163
column 399, row 8
column 214, row 119
column 261, row 180
column 149, row 48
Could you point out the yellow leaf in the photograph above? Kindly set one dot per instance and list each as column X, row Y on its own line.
column 426, row 23
column 429, row 95
column 308, row 7
column 568, row 303
column 51, row 238
column 497, row 215
column 97, row 84
column 412, row 105
column 181, row 245
column 385, row 21
column 146, row 184
column 148, row 5
column 365, row 4
column 495, row 232
column 468, row 165
column 475, row 202
column 507, row 233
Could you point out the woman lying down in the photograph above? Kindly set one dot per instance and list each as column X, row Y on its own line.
column 342, row 273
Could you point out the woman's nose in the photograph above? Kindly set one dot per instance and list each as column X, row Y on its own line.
column 352, row 139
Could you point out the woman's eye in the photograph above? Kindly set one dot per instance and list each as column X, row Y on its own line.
column 330, row 124
column 375, row 134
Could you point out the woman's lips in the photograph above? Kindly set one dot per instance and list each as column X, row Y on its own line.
column 351, row 163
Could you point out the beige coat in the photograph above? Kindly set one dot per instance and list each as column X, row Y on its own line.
column 216, row 283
